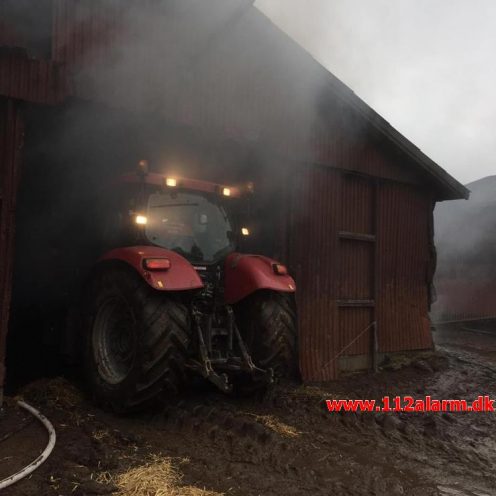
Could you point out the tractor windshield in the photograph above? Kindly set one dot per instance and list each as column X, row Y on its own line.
column 190, row 224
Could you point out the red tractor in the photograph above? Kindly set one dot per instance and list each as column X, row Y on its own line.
column 172, row 298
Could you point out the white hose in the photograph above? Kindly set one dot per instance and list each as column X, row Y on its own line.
column 52, row 437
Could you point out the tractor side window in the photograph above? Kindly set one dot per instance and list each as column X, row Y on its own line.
column 190, row 224
column 114, row 207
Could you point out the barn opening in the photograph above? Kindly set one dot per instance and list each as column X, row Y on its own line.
column 343, row 199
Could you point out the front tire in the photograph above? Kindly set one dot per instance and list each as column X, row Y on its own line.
column 136, row 341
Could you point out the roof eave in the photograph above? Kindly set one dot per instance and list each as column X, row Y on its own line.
column 449, row 188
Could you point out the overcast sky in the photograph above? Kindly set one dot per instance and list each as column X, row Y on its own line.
column 427, row 66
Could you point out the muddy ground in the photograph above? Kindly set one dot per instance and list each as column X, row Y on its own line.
column 284, row 444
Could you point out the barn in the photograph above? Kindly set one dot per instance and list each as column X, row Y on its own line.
column 465, row 280
column 89, row 88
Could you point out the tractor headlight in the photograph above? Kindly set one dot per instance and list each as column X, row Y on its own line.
column 141, row 220
column 171, row 182
column 226, row 191
column 245, row 231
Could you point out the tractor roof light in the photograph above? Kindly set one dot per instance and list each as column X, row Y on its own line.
column 245, row 231
column 226, row 191
column 171, row 182
column 143, row 167
column 280, row 269
column 141, row 220
column 155, row 264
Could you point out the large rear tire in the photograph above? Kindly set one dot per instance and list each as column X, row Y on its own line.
column 136, row 341
column 267, row 321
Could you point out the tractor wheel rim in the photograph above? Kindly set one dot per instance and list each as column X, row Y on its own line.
column 114, row 340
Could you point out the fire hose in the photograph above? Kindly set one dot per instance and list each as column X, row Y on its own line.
column 52, row 437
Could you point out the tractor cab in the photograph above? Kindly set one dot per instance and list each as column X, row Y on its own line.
column 199, row 220
column 190, row 224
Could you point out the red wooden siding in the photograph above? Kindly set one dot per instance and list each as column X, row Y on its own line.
column 37, row 81
column 254, row 84
column 466, row 297
column 11, row 138
column 315, row 213
column 359, row 251
column 403, row 251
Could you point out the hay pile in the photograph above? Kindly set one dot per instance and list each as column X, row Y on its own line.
column 159, row 477
column 276, row 425
column 57, row 393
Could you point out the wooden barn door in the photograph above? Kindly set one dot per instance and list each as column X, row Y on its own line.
column 359, row 249
column 11, row 136
column 332, row 254
column 356, row 298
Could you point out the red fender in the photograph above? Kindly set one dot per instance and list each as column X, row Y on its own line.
column 246, row 274
column 179, row 277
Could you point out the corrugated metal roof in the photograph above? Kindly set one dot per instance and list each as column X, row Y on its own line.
column 452, row 188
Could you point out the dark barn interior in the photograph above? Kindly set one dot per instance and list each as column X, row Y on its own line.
column 341, row 197
column 73, row 155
